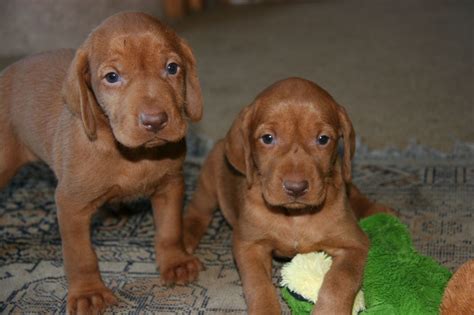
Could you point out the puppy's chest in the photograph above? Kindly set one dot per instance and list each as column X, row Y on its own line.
column 141, row 179
column 289, row 239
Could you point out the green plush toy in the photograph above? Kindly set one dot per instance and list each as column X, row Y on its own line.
column 397, row 279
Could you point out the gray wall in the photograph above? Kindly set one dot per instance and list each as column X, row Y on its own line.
column 30, row 26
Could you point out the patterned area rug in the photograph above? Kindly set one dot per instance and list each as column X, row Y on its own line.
column 432, row 192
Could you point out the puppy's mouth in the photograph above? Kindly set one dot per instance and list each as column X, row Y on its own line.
column 159, row 140
column 295, row 208
column 298, row 204
column 152, row 143
column 155, row 142
column 303, row 206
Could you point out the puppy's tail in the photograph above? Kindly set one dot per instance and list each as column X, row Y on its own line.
column 362, row 206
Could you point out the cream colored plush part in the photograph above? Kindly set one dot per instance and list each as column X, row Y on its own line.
column 304, row 275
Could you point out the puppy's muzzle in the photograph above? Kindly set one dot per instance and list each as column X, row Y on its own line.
column 153, row 122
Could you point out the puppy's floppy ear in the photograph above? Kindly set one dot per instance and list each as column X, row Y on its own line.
column 348, row 134
column 77, row 94
column 193, row 106
column 237, row 145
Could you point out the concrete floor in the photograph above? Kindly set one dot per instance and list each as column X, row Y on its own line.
column 404, row 70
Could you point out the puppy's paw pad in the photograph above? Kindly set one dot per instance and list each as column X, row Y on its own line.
column 90, row 301
column 181, row 271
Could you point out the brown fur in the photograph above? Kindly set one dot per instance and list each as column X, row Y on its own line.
column 458, row 298
column 58, row 107
column 245, row 178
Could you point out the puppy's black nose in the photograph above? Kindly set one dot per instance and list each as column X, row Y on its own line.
column 295, row 189
column 154, row 122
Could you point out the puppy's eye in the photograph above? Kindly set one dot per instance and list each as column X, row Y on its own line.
column 268, row 139
column 112, row 77
column 172, row 68
column 323, row 140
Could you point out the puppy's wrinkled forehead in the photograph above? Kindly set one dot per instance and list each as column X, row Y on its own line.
column 136, row 35
column 296, row 101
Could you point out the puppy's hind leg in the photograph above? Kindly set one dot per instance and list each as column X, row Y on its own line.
column 7, row 168
column 12, row 154
column 12, row 151
column 203, row 203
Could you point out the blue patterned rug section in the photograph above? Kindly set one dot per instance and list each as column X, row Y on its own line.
column 433, row 193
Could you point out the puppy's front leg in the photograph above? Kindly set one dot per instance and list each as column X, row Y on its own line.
column 176, row 266
column 87, row 294
column 342, row 281
column 254, row 262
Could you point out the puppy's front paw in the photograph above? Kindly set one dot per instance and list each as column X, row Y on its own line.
column 181, row 269
column 191, row 241
column 92, row 301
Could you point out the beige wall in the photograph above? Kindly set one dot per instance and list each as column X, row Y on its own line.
column 30, row 26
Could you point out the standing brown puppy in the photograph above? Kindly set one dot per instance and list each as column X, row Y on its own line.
column 110, row 120
column 280, row 183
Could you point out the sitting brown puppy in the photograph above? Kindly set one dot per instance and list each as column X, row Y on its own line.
column 110, row 120
column 280, row 183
